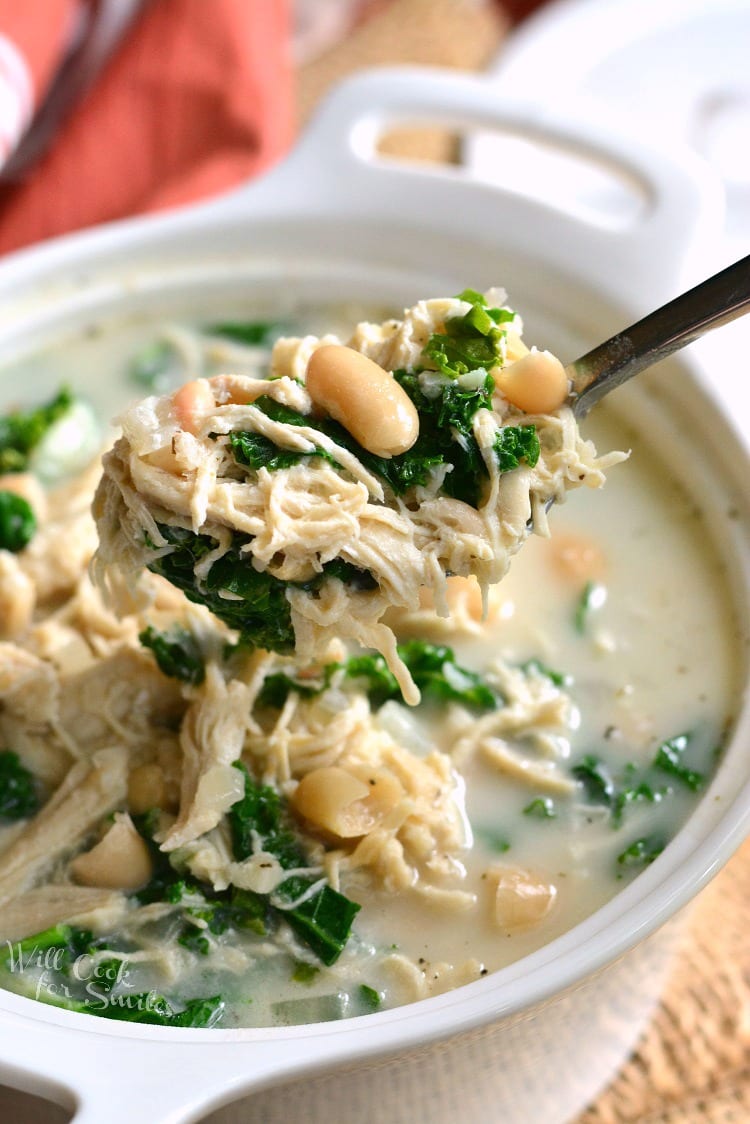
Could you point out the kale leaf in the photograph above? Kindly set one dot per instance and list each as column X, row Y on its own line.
column 371, row 998
column 633, row 786
column 669, row 760
column 205, row 912
column 536, row 666
column 69, row 941
column 636, row 784
column 154, row 1010
column 21, row 431
column 18, row 796
column 62, row 945
column 592, row 597
column 177, row 653
column 470, row 341
column 17, row 522
column 516, row 443
column 323, row 919
column 596, row 779
column 253, row 332
column 432, row 666
column 542, row 808
column 446, row 437
column 256, row 451
column 435, row 671
column 642, row 852
column 278, row 686
column 259, row 608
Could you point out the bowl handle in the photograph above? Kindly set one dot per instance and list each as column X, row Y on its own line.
column 336, row 160
column 121, row 1074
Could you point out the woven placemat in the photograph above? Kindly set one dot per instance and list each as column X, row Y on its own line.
column 693, row 1063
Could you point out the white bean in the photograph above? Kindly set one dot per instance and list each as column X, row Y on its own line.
column 536, row 383
column 191, row 402
column 521, row 899
column 364, row 398
column 119, row 861
column 345, row 805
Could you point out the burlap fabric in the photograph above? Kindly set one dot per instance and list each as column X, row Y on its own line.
column 693, row 1064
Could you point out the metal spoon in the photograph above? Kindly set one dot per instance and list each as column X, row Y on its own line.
column 714, row 302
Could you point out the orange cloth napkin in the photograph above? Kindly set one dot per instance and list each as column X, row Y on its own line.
column 197, row 97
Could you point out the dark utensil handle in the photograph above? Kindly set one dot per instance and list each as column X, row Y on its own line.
column 714, row 302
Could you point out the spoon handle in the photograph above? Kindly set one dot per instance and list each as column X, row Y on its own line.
column 714, row 302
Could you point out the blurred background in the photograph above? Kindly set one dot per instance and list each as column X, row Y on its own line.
column 110, row 108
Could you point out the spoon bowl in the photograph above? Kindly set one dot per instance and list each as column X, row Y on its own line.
column 714, row 302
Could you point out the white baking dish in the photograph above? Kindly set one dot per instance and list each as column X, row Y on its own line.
column 534, row 1042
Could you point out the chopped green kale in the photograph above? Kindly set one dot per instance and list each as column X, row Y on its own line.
column 641, row 852
column 278, row 686
column 257, row 605
column 256, row 451
column 435, row 672
column 21, row 431
column 255, row 333
column 439, row 677
column 433, row 668
column 445, row 437
column 514, row 444
column 177, row 653
column 471, row 341
column 596, row 779
column 154, row 1010
column 304, row 972
column 17, row 522
column 68, row 941
column 542, row 808
column 18, row 795
column 592, row 597
column 260, row 610
column 535, row 666
column 669, row 760
column 635, row 785
column 370, row 998
column 601, row 787
column 206, row 912
column 373, row 675
column 634, row 789
column 321, row 918
column 492, row 839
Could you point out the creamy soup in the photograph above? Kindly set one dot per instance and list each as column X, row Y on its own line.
column 562, row 739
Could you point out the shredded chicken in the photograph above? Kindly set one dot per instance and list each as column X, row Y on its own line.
column 296, row 519
column 89, row 792
column 54, row 904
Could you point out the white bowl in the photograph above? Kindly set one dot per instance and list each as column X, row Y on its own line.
column 535, row 1041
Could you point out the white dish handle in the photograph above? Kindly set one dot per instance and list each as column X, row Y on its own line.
column 112, row 1073
column 337, row 161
